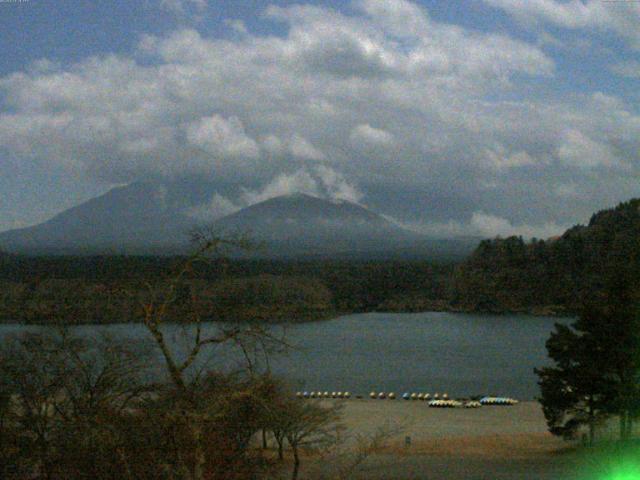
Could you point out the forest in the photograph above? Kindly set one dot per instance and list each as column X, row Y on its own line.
column 75, row 290
column 503, row 275
column 554, row 276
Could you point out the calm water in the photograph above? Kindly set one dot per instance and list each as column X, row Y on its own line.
column 461, row 354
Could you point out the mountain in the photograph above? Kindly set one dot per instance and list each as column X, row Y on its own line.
column 149, row 218
column 301, row 225
column 136, row 218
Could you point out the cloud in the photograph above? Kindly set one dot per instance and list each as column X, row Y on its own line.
column 336, row 186
column 364, row 135
column 180, row 7
column 201, row 105
column 619, row 17
column 386, row 97
column 284, row 184
column 237, row 26
column 217, row 207
column 220, row 136
column 488, row 225
column 485, row 225
column 499, row 158
column 273, row 145
column 579, row 150
column 322, row 182
column 300, row 147
column 399, row 17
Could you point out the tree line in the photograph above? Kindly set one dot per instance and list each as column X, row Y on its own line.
column 549, row 277
column 553, row 276
column 596, row 359
column 76, row 290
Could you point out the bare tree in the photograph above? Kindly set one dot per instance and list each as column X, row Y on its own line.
column 193, row 407
column 308, row 426
column 29, row 371
column 66, row 396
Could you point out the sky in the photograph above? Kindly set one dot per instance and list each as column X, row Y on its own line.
column 491, row 117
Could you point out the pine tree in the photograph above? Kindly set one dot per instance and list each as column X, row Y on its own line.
column 597, row 364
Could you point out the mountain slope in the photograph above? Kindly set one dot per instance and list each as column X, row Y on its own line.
column 303, row 225
column 144, row 218
column 133, row 218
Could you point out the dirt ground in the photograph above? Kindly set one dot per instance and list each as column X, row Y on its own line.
column 420, row 422
column 493, row 443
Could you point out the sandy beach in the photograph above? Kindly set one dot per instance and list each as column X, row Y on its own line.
column 422, row 423
column 491, row 442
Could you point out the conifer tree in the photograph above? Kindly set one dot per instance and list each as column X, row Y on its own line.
column 597, row 364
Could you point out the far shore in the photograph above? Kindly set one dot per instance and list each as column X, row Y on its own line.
column 536, row 312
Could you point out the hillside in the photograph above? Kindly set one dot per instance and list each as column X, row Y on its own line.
column 303, row 225
column 553, row 276
column 147, row 218
column 135, row 218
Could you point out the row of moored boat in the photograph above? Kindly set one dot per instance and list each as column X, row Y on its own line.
column 437, row 401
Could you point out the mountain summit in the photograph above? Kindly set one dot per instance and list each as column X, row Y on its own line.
column 145, row 218
column 301, row 224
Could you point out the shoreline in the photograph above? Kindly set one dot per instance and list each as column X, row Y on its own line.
column 334, row 316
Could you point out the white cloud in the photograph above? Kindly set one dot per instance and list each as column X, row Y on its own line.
column 400, row 17
column 217, row 207
column 499, row 158
column 180, row 7
column 336, row 186
column 156, row 119
column 386, row 96
column 485, row 225
column 368, row 136
column 579, row 150
column 224, row 137
column 620, row 17
column 488, row 225
column 284, row 184
column 273, row 145
column 237, row 26
column 300, row 147
column 321, row 181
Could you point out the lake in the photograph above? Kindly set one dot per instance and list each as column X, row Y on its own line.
column 461, row 354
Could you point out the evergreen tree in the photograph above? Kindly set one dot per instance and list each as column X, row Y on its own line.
column 573, row 392
column 597, row 364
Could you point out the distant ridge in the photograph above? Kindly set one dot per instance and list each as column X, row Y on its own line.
column 143, row 218
column 129, row 219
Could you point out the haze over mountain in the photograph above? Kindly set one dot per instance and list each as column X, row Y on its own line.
column 148, row 218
